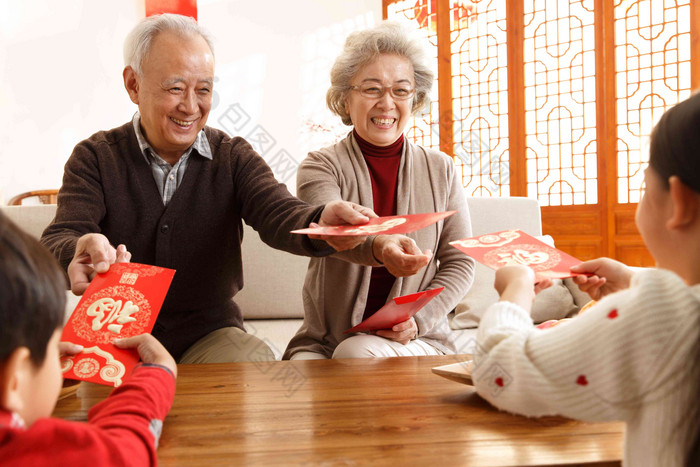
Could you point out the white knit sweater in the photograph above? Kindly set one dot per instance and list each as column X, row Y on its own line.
column 631, row 357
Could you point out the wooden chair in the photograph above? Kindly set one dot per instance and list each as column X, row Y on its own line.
column 45, row 197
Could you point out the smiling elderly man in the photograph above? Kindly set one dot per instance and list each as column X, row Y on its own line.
column 172, row 192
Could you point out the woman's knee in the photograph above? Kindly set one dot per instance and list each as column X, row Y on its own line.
column 362, row 346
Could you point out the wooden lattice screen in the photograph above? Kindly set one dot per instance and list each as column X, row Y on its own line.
column 555, row 99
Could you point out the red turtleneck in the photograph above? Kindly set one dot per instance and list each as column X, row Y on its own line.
column 383, row 164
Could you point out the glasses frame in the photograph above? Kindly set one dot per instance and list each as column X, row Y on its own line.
column 384, row 91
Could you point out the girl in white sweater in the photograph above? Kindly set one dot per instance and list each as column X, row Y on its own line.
column 635, row 355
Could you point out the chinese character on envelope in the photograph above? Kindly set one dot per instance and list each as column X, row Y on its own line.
column 512, row 247
column 123, row 302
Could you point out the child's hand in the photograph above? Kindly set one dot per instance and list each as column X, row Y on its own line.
column 512, row 275
column 516, row 284
column 609, row 276
column 149, row 349
column 543, row 284
column 68, row 349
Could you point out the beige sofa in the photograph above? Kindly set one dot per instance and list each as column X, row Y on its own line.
column 271, row 299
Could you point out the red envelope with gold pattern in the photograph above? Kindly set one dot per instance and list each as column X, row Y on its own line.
column 123, row 302
column 512, row 247
column 380, row 225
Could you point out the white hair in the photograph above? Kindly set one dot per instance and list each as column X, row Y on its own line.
column 138, row 42
column 363, row 47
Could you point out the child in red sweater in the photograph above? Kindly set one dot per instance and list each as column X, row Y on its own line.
column 121, row 430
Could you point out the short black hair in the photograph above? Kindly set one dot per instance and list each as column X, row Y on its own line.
column 675, row 143
column 32, row 293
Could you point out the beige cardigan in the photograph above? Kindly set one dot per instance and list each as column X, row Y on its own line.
column 335, row 288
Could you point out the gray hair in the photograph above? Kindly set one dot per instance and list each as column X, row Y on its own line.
column 138, row 42
column 363, row 47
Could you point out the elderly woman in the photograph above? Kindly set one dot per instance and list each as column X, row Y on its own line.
column 378, row 82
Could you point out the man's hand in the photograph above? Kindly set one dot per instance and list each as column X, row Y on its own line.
column 150, row 350
column 401, row 332
column 93, row 255
column 609, row 276
column 400, row 255
column 343, row 213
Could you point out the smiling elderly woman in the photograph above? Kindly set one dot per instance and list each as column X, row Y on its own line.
column 380, row 80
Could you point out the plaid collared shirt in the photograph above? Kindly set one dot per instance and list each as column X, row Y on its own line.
column 168, row 177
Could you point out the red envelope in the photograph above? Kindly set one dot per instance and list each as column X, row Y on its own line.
column 123, row 302
column 516, row 247
column 396, row 311
column 381, row 225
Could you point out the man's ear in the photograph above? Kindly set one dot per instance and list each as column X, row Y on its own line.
column 14, row 373
column 132, row 84
column 685, row 204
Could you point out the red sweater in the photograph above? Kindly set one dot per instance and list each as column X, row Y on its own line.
column 121, row 430
column 383, row 164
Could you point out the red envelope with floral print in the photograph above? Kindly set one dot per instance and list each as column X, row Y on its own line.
column 123, row 302
column 396, row 311
column 511, row 247
column 380, row 225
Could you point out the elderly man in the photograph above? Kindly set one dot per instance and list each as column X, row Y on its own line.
column 170, row 191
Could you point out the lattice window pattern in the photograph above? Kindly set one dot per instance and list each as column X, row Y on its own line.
column 652, row 71
column 652, row 49
column 424, row 129
column 480, row 96
column 560, row 102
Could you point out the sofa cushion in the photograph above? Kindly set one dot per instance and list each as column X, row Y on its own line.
column 273, row 280
column 276, row 333
column 33, row 219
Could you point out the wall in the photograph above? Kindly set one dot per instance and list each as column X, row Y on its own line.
column 61, row 65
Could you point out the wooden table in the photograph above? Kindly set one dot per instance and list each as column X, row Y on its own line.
column 390, row 411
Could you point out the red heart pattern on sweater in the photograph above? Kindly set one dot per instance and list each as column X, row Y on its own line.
column 612, row 314
column 582, row 380
column 499, row 381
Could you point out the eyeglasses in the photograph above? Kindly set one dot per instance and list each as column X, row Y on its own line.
column 399, row 92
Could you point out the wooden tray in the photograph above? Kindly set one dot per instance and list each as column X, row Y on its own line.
column 460, row 372
column 70, row 387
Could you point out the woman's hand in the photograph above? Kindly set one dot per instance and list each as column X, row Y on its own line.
column 402, row 333
column 608, row 276
column 399, row 254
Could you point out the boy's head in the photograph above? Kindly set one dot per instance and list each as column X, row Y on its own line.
column 32, row 303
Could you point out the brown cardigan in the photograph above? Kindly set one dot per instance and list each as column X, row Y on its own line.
column 108, row 188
